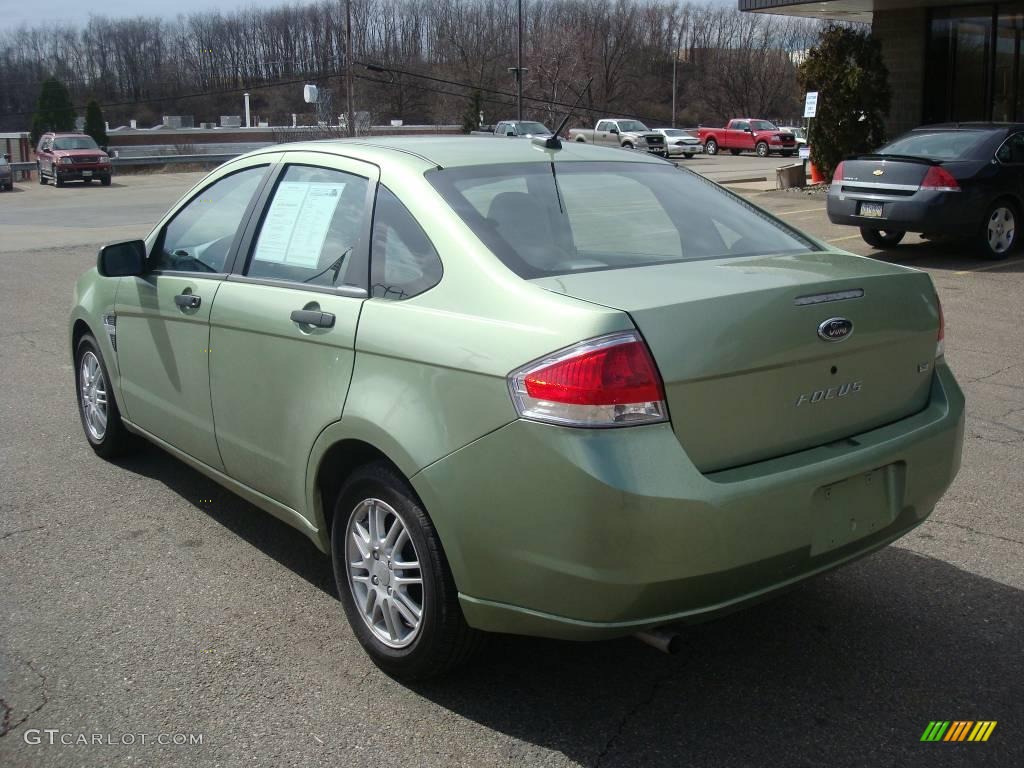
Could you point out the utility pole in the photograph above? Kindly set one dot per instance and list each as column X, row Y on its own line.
column 350, row 114
column 675, row 64
column 519, row 64
column 518, row 68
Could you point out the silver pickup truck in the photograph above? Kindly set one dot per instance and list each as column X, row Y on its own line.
column 628, row 134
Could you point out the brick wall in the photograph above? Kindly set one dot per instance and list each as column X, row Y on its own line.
column 903, row 35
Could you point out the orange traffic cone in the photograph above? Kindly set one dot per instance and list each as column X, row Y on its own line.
column 816, row 177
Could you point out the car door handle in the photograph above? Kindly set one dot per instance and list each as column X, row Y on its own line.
column 188, row 301
column 313, row 317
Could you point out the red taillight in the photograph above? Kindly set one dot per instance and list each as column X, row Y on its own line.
column 938, row 179
column 940, row 342
column 608, row 381
column 837, row 174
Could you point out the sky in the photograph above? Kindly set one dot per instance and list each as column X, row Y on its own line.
column 13, row 13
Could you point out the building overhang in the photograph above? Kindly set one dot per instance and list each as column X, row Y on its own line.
column 838, row 10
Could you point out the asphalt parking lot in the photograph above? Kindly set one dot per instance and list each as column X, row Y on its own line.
column 141, row 598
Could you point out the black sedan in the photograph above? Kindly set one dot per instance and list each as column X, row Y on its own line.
column 951, row 180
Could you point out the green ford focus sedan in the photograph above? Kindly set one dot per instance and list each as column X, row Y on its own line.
column 570, row 392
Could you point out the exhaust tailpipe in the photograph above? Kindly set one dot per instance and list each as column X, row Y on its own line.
column 665, row 640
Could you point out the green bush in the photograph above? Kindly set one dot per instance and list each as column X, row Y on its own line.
column 94, row 124
column 846, row 69
column 54, row 111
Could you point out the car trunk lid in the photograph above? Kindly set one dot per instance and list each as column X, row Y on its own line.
column 747, row 376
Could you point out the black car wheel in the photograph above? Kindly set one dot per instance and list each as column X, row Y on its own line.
column 881, row 238
column 711, row 147
column 786, row 153
column 58, row 180
column 39, row 170
column 393, row 578
column 762, row 149
column 97, row 407
column 105, row 181
column 999, row 231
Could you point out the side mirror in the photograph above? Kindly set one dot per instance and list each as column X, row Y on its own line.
column 614, row 130
column 748, row 130
column 510, row 133
column 122, row 259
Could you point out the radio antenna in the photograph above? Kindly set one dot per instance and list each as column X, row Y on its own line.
column 553, row 142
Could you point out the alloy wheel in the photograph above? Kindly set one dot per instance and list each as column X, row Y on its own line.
column 92, row 387
column 384, row 573
column 1000, row 230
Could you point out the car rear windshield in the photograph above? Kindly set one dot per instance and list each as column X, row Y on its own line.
column 938, row 145
column 545, row 219
column 75, row 142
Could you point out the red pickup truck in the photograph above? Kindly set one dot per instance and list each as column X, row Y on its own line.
column 746, row 134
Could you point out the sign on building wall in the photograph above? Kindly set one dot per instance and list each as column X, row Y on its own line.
column 811, row 104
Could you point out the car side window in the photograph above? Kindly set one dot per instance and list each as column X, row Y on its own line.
column 199, row 237
column 311, row 228
column 403, row 262
column 604, row 125
column 740, row 126
column 1012, row 150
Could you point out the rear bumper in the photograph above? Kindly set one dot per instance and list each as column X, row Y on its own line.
column 587, row 534
column 940, row 213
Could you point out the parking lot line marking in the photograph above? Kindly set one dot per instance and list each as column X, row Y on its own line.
column 840, row 239
column 987, row 267
column 802, row 210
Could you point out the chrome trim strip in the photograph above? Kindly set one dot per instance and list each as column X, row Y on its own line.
column 822, row 298
column 882, row 185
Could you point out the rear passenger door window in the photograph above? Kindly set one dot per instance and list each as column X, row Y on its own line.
column 403, row 262
column 312, row 228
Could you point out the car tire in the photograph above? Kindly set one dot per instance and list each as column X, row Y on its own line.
column 107, row 437
column 87, row 181
column 998, row 235
column 105, row 181
column 627, row 145
column 57, row 180
column 881, row 238
column 735, row 152
column 786, row 153
column 39, row 170
column 762, row 149
column 711, row 147
column 441, row 640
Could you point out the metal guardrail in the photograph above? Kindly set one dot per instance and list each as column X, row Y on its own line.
column 149, row 160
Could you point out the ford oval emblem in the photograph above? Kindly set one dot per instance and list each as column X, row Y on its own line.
column 835, row 329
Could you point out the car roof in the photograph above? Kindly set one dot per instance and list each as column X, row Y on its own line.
column 974, row 126
column 457, row 151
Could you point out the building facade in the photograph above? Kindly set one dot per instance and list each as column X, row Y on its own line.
column 946, row 61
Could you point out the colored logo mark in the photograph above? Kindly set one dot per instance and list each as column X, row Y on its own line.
column 958, row 730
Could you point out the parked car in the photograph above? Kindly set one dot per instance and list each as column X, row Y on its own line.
column 6, row 174
column 522, row 128
column 63, row 157
column 750, row 135
column 628, row 134
column 680, row 143
column 950, row 180
column 569, row 392
column 800, row 134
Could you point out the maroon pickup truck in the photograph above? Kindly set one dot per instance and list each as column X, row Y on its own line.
column 71, row 157
column 747, row 134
